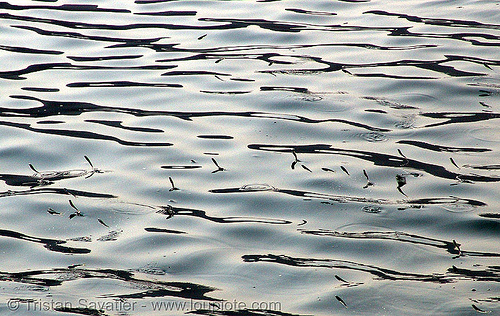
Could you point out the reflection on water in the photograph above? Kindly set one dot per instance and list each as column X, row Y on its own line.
column 295, row 157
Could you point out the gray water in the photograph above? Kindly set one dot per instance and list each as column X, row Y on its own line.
column 249, row 157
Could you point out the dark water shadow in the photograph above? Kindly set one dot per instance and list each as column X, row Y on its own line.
column 121, row 84
column 470, row 37
column 220, row 53
column 62, row 191
column 212, row 24
column 81, row 310
column 440, row 148
column 163, row 230
column 40, row 180
column 127, row 41
column 432, row 65
column 440, row 66
column 242, row 312
column 119, row 124
column 103, row 58
column 50, row 244
column 437, row 21
column 171, row 211
column 379, row 272
column 450, row 246
column 82, row 135
column 63, row 7
column 310, row 12
column 352, row 199
column 58, row 108
column 27, row 50
column 459, row 117
column 168, row 13
column 225, row 24
column 145, row 288
column 18, row 74
column 490, row 215
column 37, row 89
column 488, row 274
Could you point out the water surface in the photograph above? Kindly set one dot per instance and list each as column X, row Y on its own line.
column 249, row 157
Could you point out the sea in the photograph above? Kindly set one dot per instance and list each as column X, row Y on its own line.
column 249, row 158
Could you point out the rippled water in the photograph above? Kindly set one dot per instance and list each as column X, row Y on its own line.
column 249, row 157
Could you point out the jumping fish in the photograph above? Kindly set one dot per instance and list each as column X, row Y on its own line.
column 369, row 183
column 173, row 188
column 219, row 168
column 77, row 211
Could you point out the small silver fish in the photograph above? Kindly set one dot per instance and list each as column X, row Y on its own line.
column 303, row 166
column 52, row 212
column 341, row 301
column 480, row 310
column 454, row 163
column 345, row 170
column 103, row 223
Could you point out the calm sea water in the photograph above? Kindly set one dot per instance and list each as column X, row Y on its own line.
column 249, row 157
